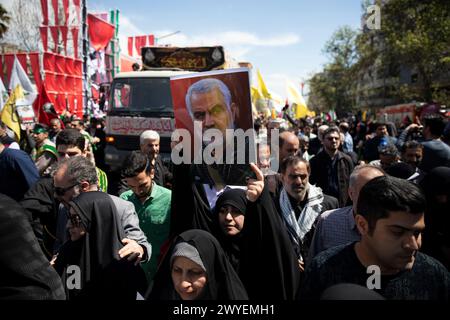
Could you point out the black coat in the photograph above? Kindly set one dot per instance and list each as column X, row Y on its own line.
column 320, row 166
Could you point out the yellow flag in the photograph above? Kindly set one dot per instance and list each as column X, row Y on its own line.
column 256, row 95
column 301, row 110
column 262, row 87
column 9, row 115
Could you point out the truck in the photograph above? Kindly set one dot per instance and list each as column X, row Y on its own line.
column 142, row 100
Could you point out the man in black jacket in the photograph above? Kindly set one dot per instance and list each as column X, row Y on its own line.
column 300, row 204
column 331, row 168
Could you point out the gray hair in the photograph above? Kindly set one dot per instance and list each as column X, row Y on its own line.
column 357, row 170
column 148, row 134
column 79, row 169
column 208, row 85
column 321, row 130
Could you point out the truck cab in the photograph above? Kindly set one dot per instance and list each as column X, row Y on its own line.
column 139, row 101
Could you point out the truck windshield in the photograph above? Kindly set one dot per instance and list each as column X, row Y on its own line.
column 142, row 94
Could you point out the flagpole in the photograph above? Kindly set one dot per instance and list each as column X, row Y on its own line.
column 85, row 55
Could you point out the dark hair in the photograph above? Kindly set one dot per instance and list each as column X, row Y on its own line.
column 71, row 137
column 135, row 163
column 435, row 123
column 384, row 194
column 79, row 169
column 379, row 124
column 412, row 144
column 292, row 161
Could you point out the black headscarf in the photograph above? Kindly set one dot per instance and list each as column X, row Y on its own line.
column 233, row 197
column 231, row 244
column 222, row 281
column 25, row 272
column 103, row 273
column 437, row 216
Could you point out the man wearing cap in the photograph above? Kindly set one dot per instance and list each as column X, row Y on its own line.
column 44, row 154
column 388, row 155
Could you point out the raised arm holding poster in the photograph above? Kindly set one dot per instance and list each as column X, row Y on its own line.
column 213, row 117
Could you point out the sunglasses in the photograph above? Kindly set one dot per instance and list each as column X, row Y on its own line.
column 62, row 191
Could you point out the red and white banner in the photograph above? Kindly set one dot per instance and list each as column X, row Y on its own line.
column 138, row 42
column 75, row 41
column 76, row 3
column 55, row 36
column 44, row 36
column 34, row 59
column 55, row 10
column 66, row 11
column 44, row 6
column 64, row 30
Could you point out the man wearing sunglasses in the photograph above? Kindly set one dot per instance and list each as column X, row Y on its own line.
column 40, row 199
column 331, row 168
column 76, row 175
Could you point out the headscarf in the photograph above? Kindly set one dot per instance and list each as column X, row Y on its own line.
column 437, row 217
column 231, row 244
column 222, row 281
column 232, row 197
column 103, row 273
column 26, row 274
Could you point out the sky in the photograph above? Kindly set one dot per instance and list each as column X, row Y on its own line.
column 284, row 39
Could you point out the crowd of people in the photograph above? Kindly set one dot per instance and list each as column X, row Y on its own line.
column 347, row 197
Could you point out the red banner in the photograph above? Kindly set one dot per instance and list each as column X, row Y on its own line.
column 44, row 36
column 54, row 32
column 70, row 84
column 22, row 57
column 139, row 42
column 100, row 32
column 130, row 46
column 44, row 6
column 34, row 59
column 66, row 11
column 9, row 61
column 50, row 82
column 1, row 69
column 55, row 10
column 49, row 63
column 78, row 68
column 75, row 41
column 151, row 40
column 60, row 80
column 70, row 66
column 43, row 98
column 60, row 64
column 64, row 30
column 61, row 102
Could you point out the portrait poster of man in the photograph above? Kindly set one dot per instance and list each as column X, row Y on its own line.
column 209, row 103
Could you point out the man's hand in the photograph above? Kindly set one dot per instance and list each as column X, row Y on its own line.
column 52, row 262
column 255, row 187
column 301, row 265
column 133, row 250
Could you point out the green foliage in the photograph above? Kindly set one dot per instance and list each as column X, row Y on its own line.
column 414, row 35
